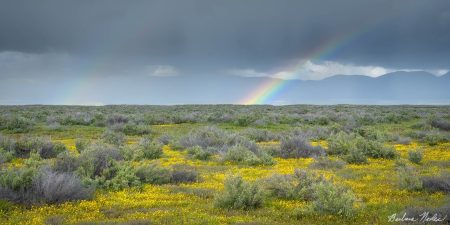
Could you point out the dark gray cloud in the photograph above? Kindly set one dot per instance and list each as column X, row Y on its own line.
column 257, row 34
column 49, row 46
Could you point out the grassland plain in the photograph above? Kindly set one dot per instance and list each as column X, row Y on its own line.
column 375, row 184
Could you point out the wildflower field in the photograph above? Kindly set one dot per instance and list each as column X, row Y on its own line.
column 224, row 164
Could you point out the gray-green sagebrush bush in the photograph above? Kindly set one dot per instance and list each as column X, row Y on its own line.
column 18, row 124
column 299, row 147
column 415, row 156
column 241, row 154
column 239, row 194
column 355, row 149
column 31, row 186
column 325, row 196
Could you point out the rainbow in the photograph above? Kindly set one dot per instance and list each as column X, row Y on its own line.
column 270, row 87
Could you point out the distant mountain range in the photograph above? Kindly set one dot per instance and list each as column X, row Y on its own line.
column 392, row 88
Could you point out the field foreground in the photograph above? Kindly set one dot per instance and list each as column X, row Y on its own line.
column 389, row 181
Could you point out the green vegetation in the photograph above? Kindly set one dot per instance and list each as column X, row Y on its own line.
column 222, row 164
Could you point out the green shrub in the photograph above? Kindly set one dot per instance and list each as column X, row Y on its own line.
column 408, row 178
column 124, row 177
column 197, row 152
column 355, row 156
column 183, row 174
column 57, row 148
column 374, row 134
column 8, row 144
column 42, row 145
column 375, row 149
column 16, row 179
column 403, row 140
column 30, row 186
column 415, row 156
column 327, row 163
column 332, row 199
column 132, row 129
column 440, row 124
column 66, row 162
column 280, row 186
column 55, row 187
column 205, row 137
column 149, row 149
column 164, row 139
column 354, row 146
column 437, row 183
column 243, row 155
column 99, row 160
column 34, row 161
column 81, row 144
column 239, row 194
column 434, row 138
column 113, row 138
column 5, row 156
column 299, row 185
column 299, row 147
column 340, row 144
column 153, row 174
column 259, row 135
column 18, row 124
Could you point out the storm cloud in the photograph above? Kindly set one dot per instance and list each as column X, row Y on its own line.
column 48, row 38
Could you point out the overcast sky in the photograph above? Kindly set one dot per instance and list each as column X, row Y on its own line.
column 58, row 41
